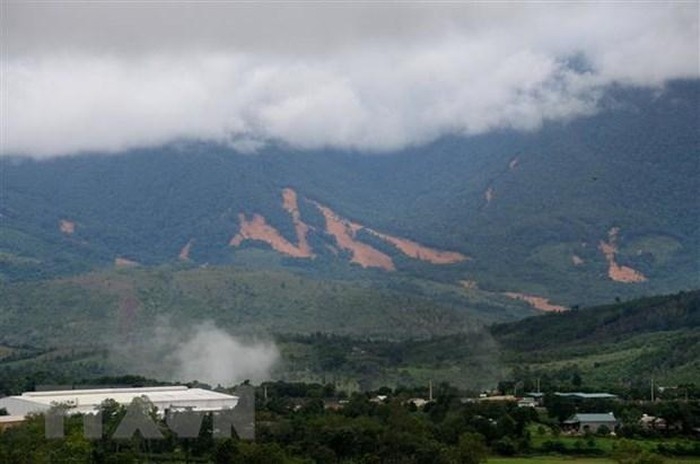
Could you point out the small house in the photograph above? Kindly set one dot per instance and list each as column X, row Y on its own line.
column 582, row 422
column 417, row 402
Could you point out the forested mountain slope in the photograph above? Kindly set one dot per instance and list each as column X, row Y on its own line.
column 578, row 212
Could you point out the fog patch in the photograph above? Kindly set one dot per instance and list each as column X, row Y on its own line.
column 212, row 355
column 202, row 352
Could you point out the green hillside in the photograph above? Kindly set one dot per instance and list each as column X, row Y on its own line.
column 244, row 301
column 609, row 346
column 531, row 209
column 616, row 347
column 69, row 330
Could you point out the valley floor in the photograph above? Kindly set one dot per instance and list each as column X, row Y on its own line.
column 575, row 460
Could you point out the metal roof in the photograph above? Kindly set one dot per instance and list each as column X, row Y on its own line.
column 596, row 417
column 11, row 419
column 587, row 396
column 79, row 401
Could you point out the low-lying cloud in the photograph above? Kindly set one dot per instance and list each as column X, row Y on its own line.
column 202, row 352
column 367, row 78
column 212, row 355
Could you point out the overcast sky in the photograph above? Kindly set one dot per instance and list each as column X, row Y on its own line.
column 371, row 76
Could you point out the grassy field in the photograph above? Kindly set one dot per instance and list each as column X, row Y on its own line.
column 568, row 460
column 551, row 460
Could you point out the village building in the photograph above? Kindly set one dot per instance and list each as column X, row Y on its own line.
column 584, row 422
column 165, row 398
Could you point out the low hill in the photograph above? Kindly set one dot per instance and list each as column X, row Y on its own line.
column 610, row 345
column 603, row 324
column 125, row 304
column 616, row 347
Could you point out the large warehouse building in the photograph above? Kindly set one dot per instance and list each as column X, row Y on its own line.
column 87, row 401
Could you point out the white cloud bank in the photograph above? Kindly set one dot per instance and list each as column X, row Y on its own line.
column 108, row 77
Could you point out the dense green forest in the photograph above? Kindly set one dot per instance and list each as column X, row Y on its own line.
column 554, row 194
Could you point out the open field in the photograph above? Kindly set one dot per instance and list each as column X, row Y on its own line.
column 576, row 460
column 550, row 460
column 607, row 444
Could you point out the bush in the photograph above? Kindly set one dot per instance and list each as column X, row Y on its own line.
column 627, row 452
column 505, row 447
column 647, row 457
column 554, row 446
column 471, row 449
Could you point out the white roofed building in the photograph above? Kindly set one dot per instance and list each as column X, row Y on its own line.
column 87, row 401
column 592, row 422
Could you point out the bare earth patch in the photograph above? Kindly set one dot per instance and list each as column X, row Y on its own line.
column 617, row 272
column 418, row 251
column 576, row 260
column 342, row 230
column 291, row 205
column 469, row 284
column 258, row 229
column 184, row 254
column 536, row 302
column 513, row 163
column 344, row 233
column 66, row 226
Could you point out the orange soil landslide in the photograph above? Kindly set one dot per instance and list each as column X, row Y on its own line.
column 344, row 233
column 418, row 251
column 291, row 205
column 536, row 302
column 66, row 226
column 616, row 272
column 258, row 229
column 625, row 274
column 576, row 260
column 185, row 252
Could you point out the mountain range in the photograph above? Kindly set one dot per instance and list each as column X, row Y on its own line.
column 578, row 212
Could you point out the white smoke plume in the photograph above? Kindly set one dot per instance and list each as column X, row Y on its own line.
column 213, row 356
column 202, row 352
